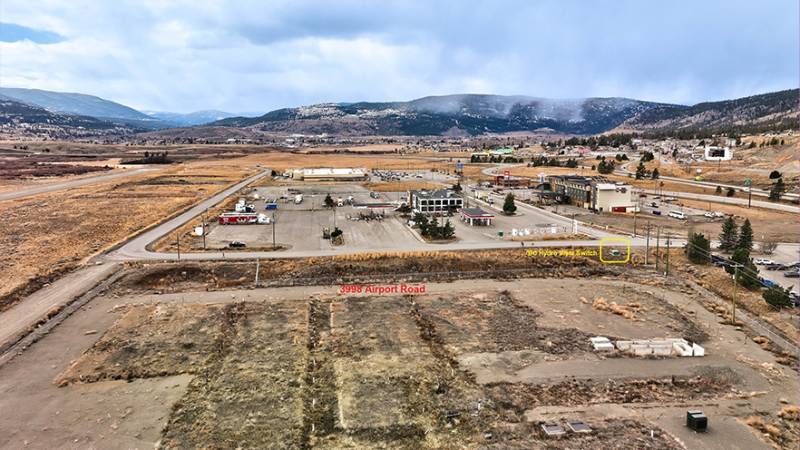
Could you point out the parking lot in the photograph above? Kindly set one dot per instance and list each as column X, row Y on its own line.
column 299, row 225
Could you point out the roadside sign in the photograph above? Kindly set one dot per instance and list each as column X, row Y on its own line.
column 748, row 181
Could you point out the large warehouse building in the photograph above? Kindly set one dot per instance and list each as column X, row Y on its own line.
column 330, row 174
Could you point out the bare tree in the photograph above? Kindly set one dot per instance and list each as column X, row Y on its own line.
column 768, row 246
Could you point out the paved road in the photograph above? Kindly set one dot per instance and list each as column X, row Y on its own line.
column 756, row 191
column 33, row 190
column 729, row 200
column 19, row 318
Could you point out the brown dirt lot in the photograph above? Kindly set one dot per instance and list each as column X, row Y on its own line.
column 308, row 367
column 368, row 372
column 364, row 267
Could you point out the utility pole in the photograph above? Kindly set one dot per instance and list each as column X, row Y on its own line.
column 204, row 228
column 736, row 267
column 658, row 241
column 258, row 267
column 635, row 209
column 273, row 230
column 647, row 244
column 666, row 273
column 178, row 241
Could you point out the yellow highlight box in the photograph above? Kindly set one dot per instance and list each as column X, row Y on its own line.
column 608, row 241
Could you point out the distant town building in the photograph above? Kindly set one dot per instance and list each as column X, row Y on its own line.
column 329, row 174
column 434, row 202
column 718, row 154
column 507, row 180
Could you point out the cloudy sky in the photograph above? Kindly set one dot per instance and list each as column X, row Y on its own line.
column 255, row 56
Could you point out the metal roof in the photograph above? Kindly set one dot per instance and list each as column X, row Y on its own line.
column 476, row 212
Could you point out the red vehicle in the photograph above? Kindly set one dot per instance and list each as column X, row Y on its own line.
column 234, row 218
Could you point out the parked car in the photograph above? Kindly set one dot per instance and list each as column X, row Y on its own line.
column 768, row 283
column 656, row 212
column 763, row 261
column 718, row 261
column 774, row 266
column 709, row 215
column 792, row 274
column 237, row 244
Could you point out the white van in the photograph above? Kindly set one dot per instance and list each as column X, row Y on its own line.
column 677, row 215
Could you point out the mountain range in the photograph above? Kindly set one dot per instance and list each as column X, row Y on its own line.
column 189, row 119
column 448, row 115
column 105, row 110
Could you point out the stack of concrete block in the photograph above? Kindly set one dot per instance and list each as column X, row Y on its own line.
column 682, row 348
column 660, row 347
column 601, row 344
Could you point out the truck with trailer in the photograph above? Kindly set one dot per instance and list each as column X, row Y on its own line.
column 237, row 218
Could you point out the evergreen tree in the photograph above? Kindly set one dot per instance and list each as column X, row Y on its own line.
column 422, row 222
column 777, row 297
column 748, row 272
column 606, row 167
column 778, row 188
column 448, row 230
column 718, row 190
column 655, row 174
column 329, row 201
column 729, row 236
column 731, row 192
column 508, row 206
column 745, row 241
column 641, row 171
column 699, row 249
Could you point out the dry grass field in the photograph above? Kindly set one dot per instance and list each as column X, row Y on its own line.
column 49, row 234
column 286, row 161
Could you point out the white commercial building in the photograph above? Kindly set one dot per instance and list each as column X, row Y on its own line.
column 330, row 174
column 612, row 197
